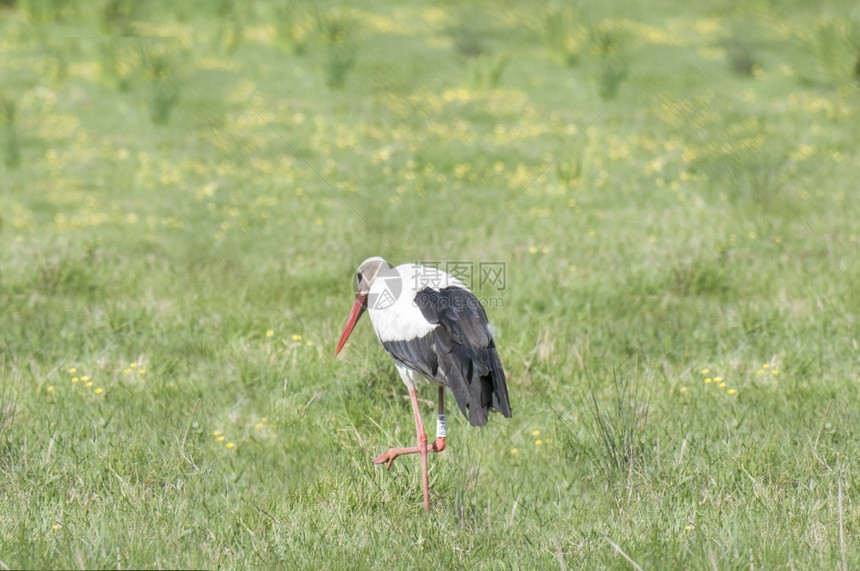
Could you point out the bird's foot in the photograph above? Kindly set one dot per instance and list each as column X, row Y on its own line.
column 391, row 454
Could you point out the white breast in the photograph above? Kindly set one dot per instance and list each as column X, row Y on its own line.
column 391, row 303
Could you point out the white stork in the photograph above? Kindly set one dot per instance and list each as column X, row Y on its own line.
column 436, row 331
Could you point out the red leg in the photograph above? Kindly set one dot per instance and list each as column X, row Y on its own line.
column 389, row 455
column 422, row 446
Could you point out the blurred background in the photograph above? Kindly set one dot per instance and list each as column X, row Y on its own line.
column 187, row 187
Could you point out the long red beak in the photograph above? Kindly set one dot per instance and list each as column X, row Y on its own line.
column 358, row 308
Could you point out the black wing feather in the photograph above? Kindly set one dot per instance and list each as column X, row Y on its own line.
column 459, row 353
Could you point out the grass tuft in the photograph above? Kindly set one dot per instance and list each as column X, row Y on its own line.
column 609, row 43
column 161, row 68
column 615, row 439
column 337, row 31
column 741, row 56
column 836, row 43
column 11, row 147
column 563, row 30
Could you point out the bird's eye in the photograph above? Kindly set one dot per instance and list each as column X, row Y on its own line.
column 358, row 276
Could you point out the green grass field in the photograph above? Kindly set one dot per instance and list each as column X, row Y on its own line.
column 187, row 187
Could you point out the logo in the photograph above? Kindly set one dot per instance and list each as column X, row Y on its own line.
column 476, row 276
column 392, row 286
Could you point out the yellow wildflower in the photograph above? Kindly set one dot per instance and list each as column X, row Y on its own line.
column 230, row 445
column 297, row 337
column 269, row 332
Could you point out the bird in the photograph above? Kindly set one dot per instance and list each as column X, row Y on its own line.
column 436, row 331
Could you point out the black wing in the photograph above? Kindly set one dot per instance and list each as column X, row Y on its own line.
column 459, row 353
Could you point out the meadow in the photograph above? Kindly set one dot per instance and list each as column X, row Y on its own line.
column 187, row 187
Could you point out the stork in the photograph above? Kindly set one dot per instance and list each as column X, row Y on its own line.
column 436, row 331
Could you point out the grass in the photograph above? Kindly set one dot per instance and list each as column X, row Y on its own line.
column 183, row 202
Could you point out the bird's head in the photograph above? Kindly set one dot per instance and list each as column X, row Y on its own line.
column 365, row 275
